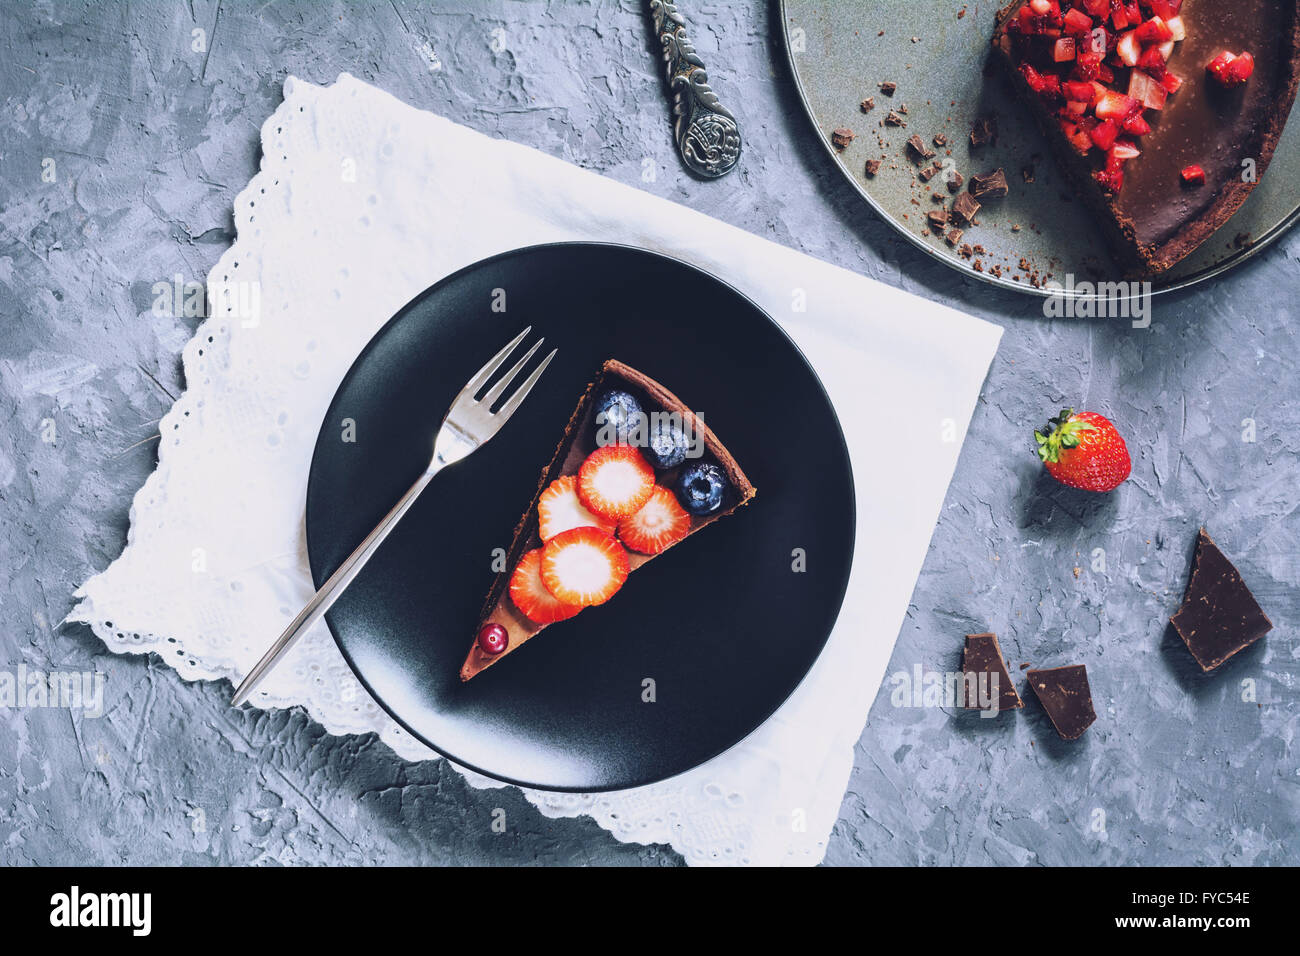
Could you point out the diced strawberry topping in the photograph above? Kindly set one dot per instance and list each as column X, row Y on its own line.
column 660, row 523
column 531, row 596
column 1194, row 175
column 583, row 566
column 1146, row 91
column 1154, row 30
column 559, row 509
column 1083, row 58
column 1103, row 134
column 1232, row 70
column 1114, row 105
column 1240, row 69
column 615, row 481
column 1137, row 126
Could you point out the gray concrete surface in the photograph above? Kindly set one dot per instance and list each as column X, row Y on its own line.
column 151, row 140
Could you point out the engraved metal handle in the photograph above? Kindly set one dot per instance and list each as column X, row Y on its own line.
column 707, row 135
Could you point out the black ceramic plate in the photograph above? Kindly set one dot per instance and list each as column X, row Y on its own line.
column 722, row 624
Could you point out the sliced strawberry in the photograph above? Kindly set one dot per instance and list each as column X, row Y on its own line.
column 615, row 481
column 559, row 509
column 1193, row 175
column 1171, row 83
column 1063, row 50
column 531, row 596
column 583, row 566
column 661, row 522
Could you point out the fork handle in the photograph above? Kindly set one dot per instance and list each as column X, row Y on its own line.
column 329, row 592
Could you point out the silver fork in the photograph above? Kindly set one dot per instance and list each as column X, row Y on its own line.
column 467, row 426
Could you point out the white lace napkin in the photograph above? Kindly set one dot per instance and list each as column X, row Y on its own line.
column 361, row 203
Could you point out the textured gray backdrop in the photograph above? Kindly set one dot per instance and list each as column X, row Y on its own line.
column 152, row 140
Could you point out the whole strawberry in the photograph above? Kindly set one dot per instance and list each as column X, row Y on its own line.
column 1084, row 451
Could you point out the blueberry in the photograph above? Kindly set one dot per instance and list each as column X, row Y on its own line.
column 616, row 413
column 701, row 488
column 667, row 444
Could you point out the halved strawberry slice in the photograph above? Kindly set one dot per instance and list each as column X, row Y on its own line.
column 583, row 566
column 559, row 509
column 615, row 481
column 661, row 522
column 532, row 598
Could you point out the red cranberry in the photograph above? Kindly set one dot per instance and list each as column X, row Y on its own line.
column 493, row 639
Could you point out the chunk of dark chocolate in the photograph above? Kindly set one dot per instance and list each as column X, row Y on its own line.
column 872, row 167
column 893, row 119
column 964, row 208
column 986, row 683
column 920, row 152
column 984, row 131
column 1219, row 616
column 989, row 185
column 955, row 181
column 888, row 87
column 841, row 137
column 1065, row 695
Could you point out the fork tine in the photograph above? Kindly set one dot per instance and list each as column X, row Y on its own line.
column 514, row 400
column 496, row 390
column 482, row 375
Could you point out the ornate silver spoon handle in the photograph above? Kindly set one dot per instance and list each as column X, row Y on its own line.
column 707, row 135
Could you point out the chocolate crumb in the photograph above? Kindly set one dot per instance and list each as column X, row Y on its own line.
column 888, row 87
column 938, row 221
column 940, row 140
column 867, row 105
column 1028, row 174
column 842, row 136
column 953, row 237
column 893, row 119
column 989, row 185
column 966, row 250
column 873, row 167
column 955, row 181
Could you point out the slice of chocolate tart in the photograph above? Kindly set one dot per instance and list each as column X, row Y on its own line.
column 635, row 473
column 1164, row 113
